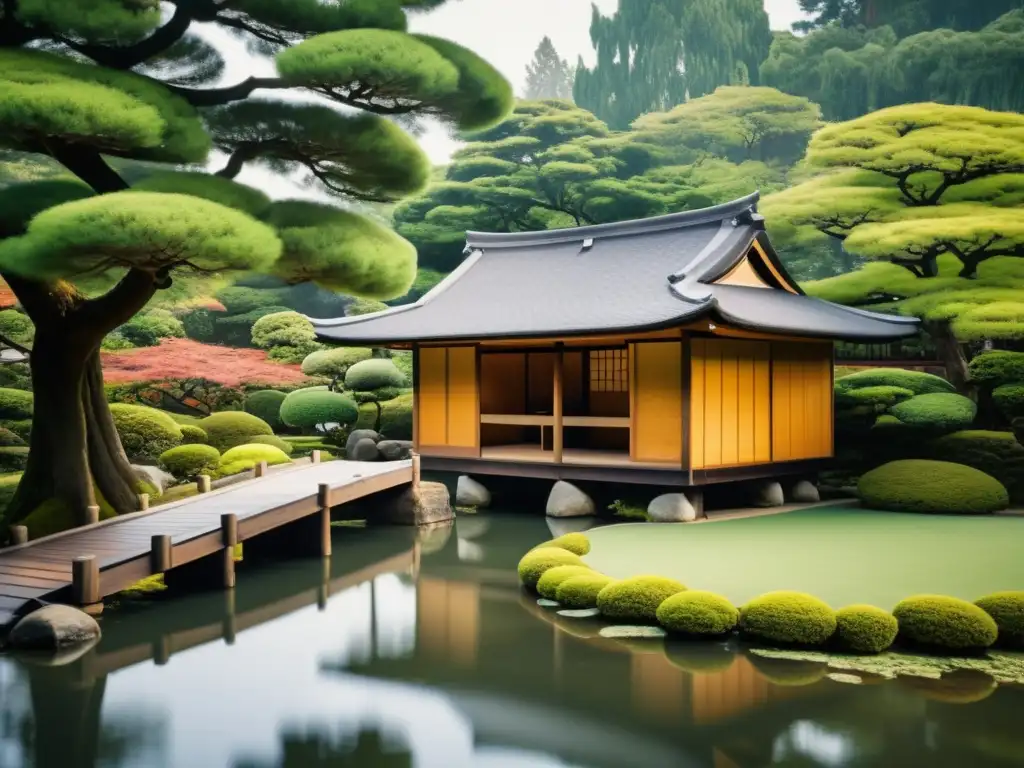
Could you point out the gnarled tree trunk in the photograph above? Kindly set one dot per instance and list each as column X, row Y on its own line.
column 951, row 352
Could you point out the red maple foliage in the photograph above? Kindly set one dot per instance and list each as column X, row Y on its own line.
column 185, row 358
column 7, row 297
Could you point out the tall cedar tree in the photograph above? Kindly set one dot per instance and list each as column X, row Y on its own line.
column 548, row 76
column 89, row 82
column 906, row 17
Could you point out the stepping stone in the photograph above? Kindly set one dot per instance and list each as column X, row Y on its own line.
column 581, row 613
column 633, row 632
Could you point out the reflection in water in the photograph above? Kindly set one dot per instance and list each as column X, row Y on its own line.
column 419, row 649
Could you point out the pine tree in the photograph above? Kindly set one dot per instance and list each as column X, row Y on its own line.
column 548, row 76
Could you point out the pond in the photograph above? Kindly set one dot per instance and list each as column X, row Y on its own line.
column 420, row 650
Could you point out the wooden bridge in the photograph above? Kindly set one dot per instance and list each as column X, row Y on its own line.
column 192, row 541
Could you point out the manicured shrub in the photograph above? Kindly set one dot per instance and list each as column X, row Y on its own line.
column 316, row 407
column 376, row 373
column 15, row 404
column 865, row 629
column 21, row 427
column 9, row 439
column 577, row 543
column 234, row 468
column 283, row 329
column 921, row 485
column 396, row 417
column 147, row 330
column 16, row 326
column 239, row 299
column 253, row 454
column 334, row 363
column 289, row 355
column 997, row 367
column 236, row 330
column 1007, row 610
column 548, row 584
column 944, row 623
column 994, row 453
column 917, row 382
column 535, row 562
column 145, row 432
column 1009, row 398
column 877, row 395
column 266, row 405
column 192, row 435
column 13, row 458
column 698, row 614
column 227, row 429
column 187, row 461
column 637, row 599
column 788, row 618
column 940, row 412
column 275, row 441
column 8, row 485
column 581, row 591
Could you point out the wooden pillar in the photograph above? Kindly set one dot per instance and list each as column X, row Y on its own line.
column 228, row 627
column 143, row 502
column 323, row 499
column 314, row 457
column 324, row 592
column 160, row 560
column 203, row 483
column 19, row 535
column 215, row 571
column 415, row 469
column 92, row 515
column 261, row 469
column 85, row 581
column 556, row 437
column 229, row 536
column 161, row 650
column 416, row 396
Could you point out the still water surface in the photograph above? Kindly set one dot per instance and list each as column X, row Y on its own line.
column 403, row 652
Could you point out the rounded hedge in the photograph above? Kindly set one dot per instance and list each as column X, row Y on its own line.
column 190, row 460
column 227, row 429
column 1007, row 610
column 637, row 599
column 377, row 373
column 548, row 584
column 865, row 629
column 266, row 405
column 275, row 441
column 937, row 412
column 9, row 438
column 334, row 363
column 921, row 485
column 253, row 454
column 192, row 435
column 917, row 382
column 944, row 623
column 145, row 432
column 581, row 591
column 535, row 562
column 999, row 366
column 995, row 453
column 15, row 404
column 309, row 408
column 1009, row 398
column 788, row 618
column 577, row 543
column 877, row 395
column 698, row 614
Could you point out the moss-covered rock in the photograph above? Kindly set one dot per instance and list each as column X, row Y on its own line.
column 995, row 453
column 944, row 623
column 865, row 629
column 266, row 405
column 185, row 461
column 921, row 485
column 937, row 413
column 788, row 618
column 227, row 429
column 917, row 382
column 548, row 584
column 275, row 441
column 535, row 562
column 577, row 543
column 1007, row 610
column 15, row 404
column 193, row 435
column 145, row 432
column 317, row 406
column 696, row 613
column 637, row 599
column 581, row 591
column 252, row 454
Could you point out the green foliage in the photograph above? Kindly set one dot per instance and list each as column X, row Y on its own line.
column 548, row 584
column 236, row 330
column 94, row 20
column 865, row 629
column 636, row 599
column 938, row 412
column 995, row 453
column 8, row 486
column 316, row 407
column 21, row 427
column 931, row 487
column 19, row 203
column 577, row 543
column 997, row 367
column 192, row 435
column 208, row 187
column 17, row 327
column 147, row 330
column 145, row 432
column 334, row 363
column 240, row 299
column 395, row 420
column 944, row 623
column 13, row 458
column 628, row 511
column 1007, row 610
column 581, row 591
column 282, row 329
column 186, row 461
column 548, row 76
column 252, row 454
column 9, row 439
column 227, row 429
column 364, row 307
column 15, row 404
column 54, row 516
column 374, row 374
column 266, row 405
column 697, row 614
column 283, row 445
column 917, row 382
column 788, row 618
column 884, row 396
column 535, row 562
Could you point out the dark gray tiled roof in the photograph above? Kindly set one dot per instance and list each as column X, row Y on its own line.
column 624, row 277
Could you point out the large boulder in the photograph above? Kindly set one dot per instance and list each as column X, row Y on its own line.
column 395, row 450
column 154, row 476
column 566, row 500
column 363, row 450
column 471, row 493
column 421, row 505
column 359, row 434
column 768, row 494
column 804, row 492
column 671, row 508
column 52, row 628
column 559, row 526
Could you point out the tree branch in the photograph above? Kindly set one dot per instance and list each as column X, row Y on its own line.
column 213, row 97
column 14, row 345
column 128, row 56
column 88, row 165
column 118, row 305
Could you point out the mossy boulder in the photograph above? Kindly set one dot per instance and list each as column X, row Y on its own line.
column 266, row 405
column 865, row 629
column 15, row 404
column 939, row 412
column 581, row 591
column 145, row 432
column 193, row 435
column 926, row 486
column 636, row 599
column 945, row 624
column 252, row 454
column 577, row 543
column 227, row 429
column 548, row 584
column 995, row 453
column 275, row 441
column 185, row 461
column 535, row 562
column 788, row 618
column 696, row 613
column 1007, row 610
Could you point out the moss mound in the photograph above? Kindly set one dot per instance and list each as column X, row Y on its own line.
column 193, row 435
column 273, row 440
column 944, row 623
column 865, row 629
column 939, row 412
column 917, row 382
column 1007, row 610
column 252, row 454
column 548, row 584
column 266, row 405
column 699, row 658
column 576, row 543
column 788, row 618
column 581, row 591
column 227, row 429
column 697, row 614
column 15, row 404
column 186, row 461
column 921, row 485
column 994, row 453
column 535, row 562
column 145, row 432
column 637, row 599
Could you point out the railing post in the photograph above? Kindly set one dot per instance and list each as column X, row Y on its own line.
column 203, row 483
column 19, row 535
column 92, row 515
column 160, row 558
column 229, row 535
column 314, row 457
column 323, row 500
column 85, row 580
column 143, row 502
column 415, row 458
column 260, row 469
